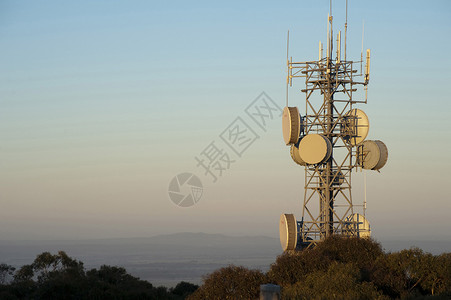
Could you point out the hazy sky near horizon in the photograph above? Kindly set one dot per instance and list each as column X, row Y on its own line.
column 104, row 102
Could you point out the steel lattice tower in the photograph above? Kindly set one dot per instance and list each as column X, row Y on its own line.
column 333, row 86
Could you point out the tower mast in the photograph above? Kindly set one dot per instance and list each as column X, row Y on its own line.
column 328, row 140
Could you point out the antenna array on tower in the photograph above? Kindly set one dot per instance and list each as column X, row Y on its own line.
column 329, row 140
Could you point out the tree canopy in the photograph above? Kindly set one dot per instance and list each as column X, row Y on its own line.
column 60, row 277
column 339, row 268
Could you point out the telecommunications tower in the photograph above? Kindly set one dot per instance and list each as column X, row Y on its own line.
column 327, row 137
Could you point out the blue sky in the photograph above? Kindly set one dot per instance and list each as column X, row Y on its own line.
column 103, row 102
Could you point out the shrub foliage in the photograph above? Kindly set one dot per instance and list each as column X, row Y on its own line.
column 339, row 268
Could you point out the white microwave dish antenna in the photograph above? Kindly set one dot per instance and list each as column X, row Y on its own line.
column 291, row 125
column 288, row 232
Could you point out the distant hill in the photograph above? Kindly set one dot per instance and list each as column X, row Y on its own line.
column 169, row 259
column 162, row 260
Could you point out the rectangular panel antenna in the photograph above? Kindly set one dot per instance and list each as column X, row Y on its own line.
column 367, row 68
column 320, row 55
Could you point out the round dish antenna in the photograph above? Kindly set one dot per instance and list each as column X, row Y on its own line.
column 357, row 225
column 355, row 126
column 288, row 232
column 374, row 155
column 294, row 152
column 291, row 125
column 315, row 148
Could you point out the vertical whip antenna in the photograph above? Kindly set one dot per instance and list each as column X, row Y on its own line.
column 328, row 39
column 331, row 34
column 346, row 26
column 330, row 7
column 361, row 53
column 320, row 54
column 288, row 64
